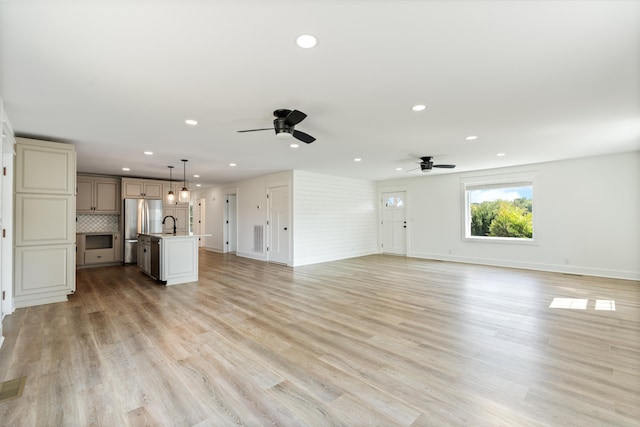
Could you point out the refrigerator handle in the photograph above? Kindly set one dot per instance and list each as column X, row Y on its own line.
column 145, row 217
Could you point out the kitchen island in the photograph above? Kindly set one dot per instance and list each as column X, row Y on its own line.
column 169, row 258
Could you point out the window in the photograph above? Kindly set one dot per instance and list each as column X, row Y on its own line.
column 499, row 211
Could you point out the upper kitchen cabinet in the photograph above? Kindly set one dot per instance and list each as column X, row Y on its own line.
column 98, row 195
column 43, row 167
column 141, row 189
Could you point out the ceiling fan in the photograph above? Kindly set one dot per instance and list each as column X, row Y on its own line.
column 426, row 164
column 284, row 125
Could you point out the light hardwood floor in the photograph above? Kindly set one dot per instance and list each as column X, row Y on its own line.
column 378, row 340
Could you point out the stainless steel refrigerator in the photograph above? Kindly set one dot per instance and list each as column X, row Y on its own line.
column 140, row 216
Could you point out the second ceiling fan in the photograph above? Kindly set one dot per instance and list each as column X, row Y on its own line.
column 426, row 164
column 284, row 125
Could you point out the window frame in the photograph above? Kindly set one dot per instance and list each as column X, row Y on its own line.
column 477, row 183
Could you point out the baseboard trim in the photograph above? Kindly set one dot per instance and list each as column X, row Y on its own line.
column 258, row 257
column 552, row 268
column 338, row 257
column 30, row 302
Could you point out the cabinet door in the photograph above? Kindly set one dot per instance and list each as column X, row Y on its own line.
column 45, row 167
column 84, row 196
column 153, row 190
column 107, row 198
column 44, row 271
column 132, row 189
column 182, row 213
column 167, row 227
column 44, row 219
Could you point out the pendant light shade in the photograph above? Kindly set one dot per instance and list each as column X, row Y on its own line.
column 185, row 194
column 171, row 197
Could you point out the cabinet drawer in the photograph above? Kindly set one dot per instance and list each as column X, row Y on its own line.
column 94, row 256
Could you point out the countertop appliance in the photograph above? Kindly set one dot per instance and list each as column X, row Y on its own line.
column 140, row 216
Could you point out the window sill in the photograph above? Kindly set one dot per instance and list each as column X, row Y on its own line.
column 501, row 240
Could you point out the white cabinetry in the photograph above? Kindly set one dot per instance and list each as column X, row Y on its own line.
column 45, row 222
column 141, row 189
column 98, row 195
column 180, row 213
column 179, row 260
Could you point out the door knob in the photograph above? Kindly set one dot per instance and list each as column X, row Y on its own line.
column 285, row 229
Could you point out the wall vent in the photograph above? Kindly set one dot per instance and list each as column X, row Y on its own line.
column 258, row 238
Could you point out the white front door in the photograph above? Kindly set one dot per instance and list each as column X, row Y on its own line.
column 394, row 223
column 278, row 226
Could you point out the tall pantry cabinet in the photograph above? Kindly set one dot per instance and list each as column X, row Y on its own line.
column 45, row 228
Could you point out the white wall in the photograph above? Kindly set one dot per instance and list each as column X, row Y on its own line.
column 251, row 206
column 587, row 217
column 334, row 218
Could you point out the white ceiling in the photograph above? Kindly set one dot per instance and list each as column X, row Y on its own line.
column 537, row 80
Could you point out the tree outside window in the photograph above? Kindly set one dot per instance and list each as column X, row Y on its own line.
column 495, row 211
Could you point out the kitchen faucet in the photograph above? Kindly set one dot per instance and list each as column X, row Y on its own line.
column 174, row 222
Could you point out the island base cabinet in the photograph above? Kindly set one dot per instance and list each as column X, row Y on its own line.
column 51, row 282
column 179, row 260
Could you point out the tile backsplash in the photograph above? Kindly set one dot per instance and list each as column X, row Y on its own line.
column 97, row 223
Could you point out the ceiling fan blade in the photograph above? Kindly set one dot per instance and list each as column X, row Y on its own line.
column 254, row 130
column 294, row 117
column 304, row 137
column 444, row 166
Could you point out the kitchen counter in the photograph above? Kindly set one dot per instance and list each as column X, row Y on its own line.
column 170, row 258
column 179, row 234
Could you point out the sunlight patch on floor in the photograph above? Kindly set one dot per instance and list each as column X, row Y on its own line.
column 605, row 305
column 582, row 304
column 571, row 303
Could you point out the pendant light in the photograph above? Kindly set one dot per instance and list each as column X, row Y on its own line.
column 185, row 194
column 171, row 197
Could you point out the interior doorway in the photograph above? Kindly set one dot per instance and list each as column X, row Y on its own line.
column 198, row 209
column 394, row 223
column 278, row 234
column 230, row 223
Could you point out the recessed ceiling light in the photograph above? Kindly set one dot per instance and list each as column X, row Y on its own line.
column 198, row 185
column 471, row 138
column 232, row 164
column 306, row 41
column 418, row 107
column 398, row 169
column 191, row 122
column 294, row 145
column 126, row 169
column 357, row 159
column 501, row 154
column 196, row 176
column 149, row 153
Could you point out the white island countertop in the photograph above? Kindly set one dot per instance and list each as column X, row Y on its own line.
column 179, row 234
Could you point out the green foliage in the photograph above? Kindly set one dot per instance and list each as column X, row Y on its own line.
column 501, row 218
